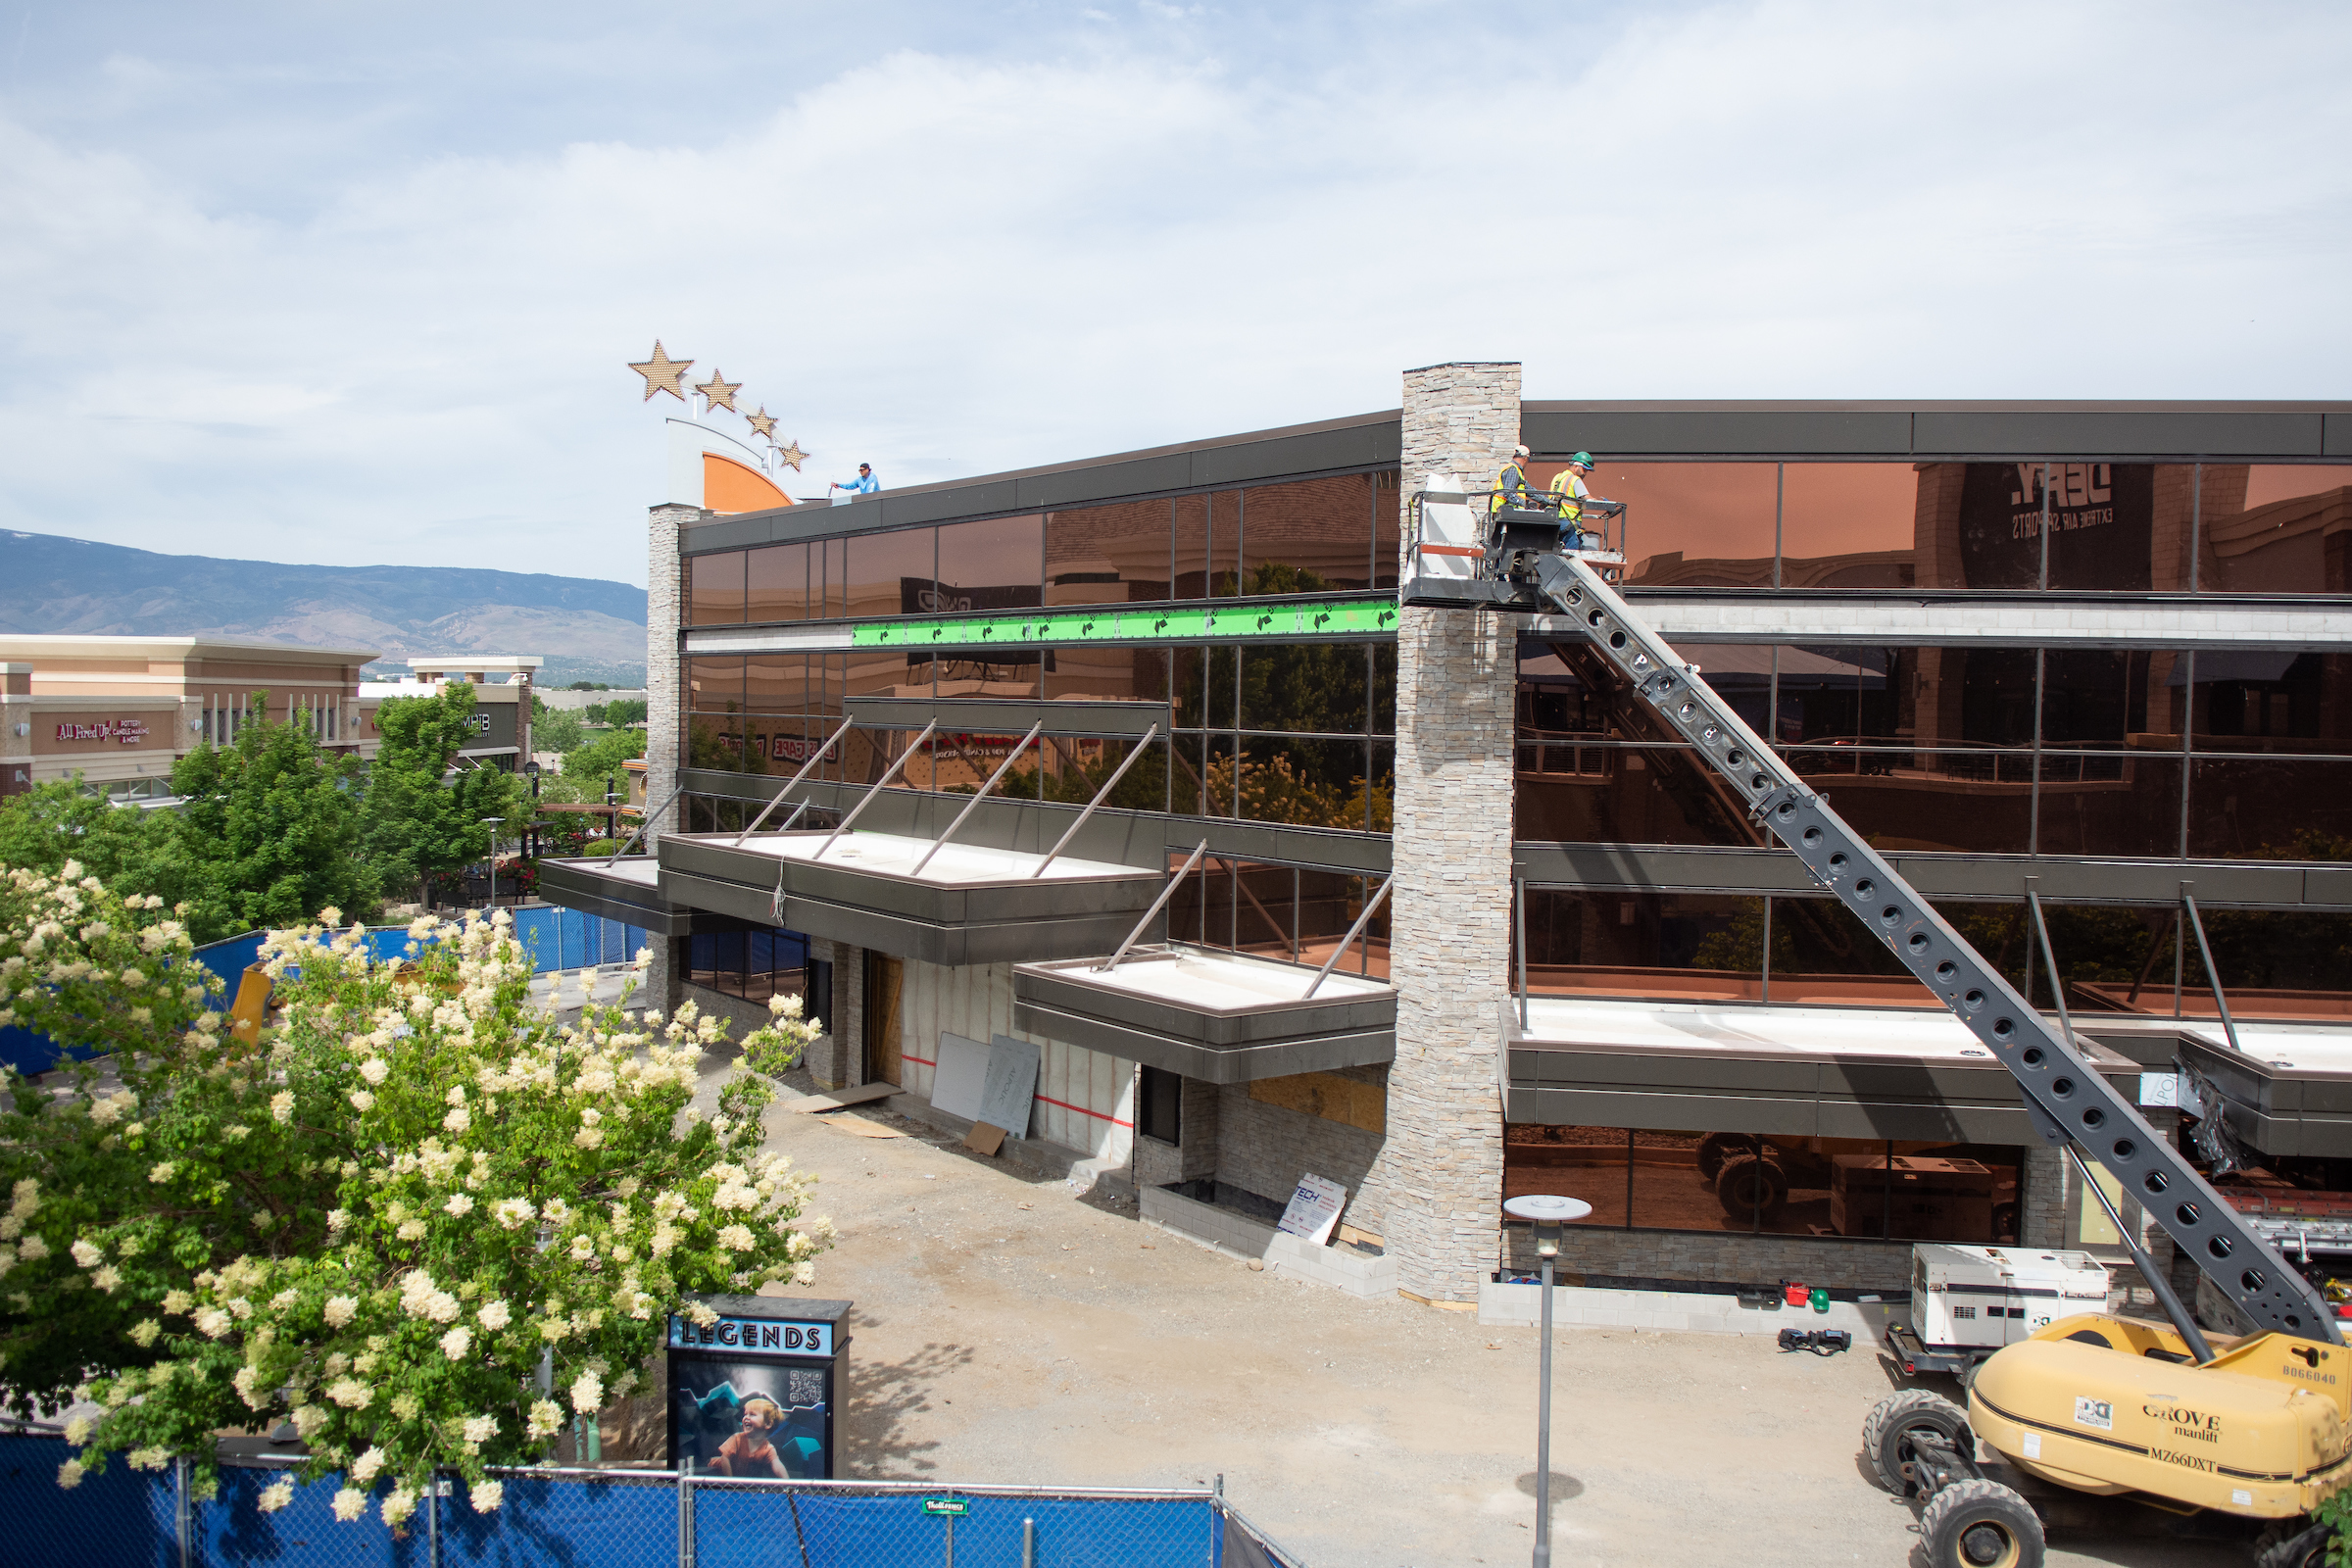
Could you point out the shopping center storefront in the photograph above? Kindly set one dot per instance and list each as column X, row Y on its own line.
column 2092, row 652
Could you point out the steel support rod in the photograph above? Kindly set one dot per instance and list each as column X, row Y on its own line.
column 2212, row 976
column 880, row 784
column 1063, row 842
column 2049, row 961
column 1371, row 904
column 1519, row 897
column 643, row 826
column 2158, row 1285
column 1153, row 914
column 973, row 804
column 814, row 758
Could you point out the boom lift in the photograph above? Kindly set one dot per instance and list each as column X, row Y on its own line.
column 2259, row 1427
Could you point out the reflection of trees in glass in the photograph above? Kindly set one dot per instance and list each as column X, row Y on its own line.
column 724, row 743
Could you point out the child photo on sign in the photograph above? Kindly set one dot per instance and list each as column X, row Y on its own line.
column 733, row 1428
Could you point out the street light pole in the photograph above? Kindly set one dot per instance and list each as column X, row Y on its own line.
column 493, row 822
column 1548, row 1213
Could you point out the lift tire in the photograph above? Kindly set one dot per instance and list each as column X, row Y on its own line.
column 1716, row 1147
column 1886, row 1433
column 2294, row 1543
column 1980, row 1524
column 1751, row 1185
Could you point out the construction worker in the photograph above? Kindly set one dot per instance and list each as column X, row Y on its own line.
column 1511, row 488
column 865, row 484
column 1568, row 485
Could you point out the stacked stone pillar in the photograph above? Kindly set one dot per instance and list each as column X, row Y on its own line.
column 1450, row 911
column 665, row 614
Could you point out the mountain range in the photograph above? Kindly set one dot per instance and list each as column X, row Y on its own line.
column 585, row 627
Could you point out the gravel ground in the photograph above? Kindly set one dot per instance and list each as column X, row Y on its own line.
column 1013, row 1331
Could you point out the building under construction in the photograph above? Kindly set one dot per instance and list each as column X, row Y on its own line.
column 1426, row 905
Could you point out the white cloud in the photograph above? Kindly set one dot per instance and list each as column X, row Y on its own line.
column 950, row 264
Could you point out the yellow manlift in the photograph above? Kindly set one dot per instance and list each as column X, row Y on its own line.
column 2259, row 1427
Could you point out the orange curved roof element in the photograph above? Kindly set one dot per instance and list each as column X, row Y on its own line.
column 731, row 486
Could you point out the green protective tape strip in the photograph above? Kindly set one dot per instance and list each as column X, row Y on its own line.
column 1118, row 623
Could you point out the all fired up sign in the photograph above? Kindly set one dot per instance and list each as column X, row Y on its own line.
column 123, row 731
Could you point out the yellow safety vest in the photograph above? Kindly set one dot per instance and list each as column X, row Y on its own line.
column 1510, row 487
column 1571, row 509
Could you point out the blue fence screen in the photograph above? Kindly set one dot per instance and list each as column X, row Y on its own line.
column 555, row 938
column 611, row 1519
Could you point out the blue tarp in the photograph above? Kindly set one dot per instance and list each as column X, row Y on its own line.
column 555, row 938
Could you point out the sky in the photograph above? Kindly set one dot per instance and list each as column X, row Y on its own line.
column 351, row 285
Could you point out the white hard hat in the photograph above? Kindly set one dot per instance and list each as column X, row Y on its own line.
column 1518, row 452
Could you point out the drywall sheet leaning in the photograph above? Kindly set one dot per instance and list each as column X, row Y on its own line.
column 1011, row 1088
column 960, row 1078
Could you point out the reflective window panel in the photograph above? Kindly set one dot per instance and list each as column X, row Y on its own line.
column 1112, row 555
column 991, row 564
column 2276, row 528
column 890, row 574
column 715, row 589
column 1309, row 536
column 776, row 583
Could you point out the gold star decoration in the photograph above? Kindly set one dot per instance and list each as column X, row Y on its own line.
column 763, row 422
column 718, row 392
column 662, row 374
column 793, row 455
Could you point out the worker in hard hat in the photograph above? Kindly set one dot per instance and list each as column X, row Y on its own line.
column 1511, row 488
column 1568, row 487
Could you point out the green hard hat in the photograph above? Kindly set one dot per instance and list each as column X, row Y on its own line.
column 1583, row 459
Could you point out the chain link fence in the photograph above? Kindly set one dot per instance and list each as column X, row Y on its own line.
column 608, row 1518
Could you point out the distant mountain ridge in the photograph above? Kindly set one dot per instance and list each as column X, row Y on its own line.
column 586, row 628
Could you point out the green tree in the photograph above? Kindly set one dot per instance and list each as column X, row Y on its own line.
column 623, row 712
column 555, row 729
column 425, row 813
column 268, row 832
column 54, row 822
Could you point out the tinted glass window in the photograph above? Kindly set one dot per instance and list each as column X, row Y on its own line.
column 777, row 583
column 992, row 564
column 1849, row 524
column 715, row 589
column 2277, row 528
column 1111, row 554
column 890, row 573
column 1311, row 536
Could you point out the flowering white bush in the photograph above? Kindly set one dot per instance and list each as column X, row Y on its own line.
column 411, row 1217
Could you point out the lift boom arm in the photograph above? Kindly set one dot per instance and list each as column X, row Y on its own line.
column 2066, row 1098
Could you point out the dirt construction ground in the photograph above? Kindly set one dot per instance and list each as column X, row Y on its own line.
column 1009, row 1331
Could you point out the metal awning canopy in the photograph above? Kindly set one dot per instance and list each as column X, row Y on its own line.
column 969, row 903
column 1828, row 1072
column 619, row 888
column 1221, row 1017
column 2289, row 1091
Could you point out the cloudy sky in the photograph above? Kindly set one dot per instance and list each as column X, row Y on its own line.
column 342, row 283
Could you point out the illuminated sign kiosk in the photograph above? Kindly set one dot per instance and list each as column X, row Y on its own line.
column 752, row 1392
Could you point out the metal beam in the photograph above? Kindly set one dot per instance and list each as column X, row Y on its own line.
column 814, row 758
column 1362, row 920
column 1117, row 774
column 1158, row 903
column 879, row 785
column 971, row 804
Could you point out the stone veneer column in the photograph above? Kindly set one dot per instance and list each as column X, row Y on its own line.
column 665, row 615
column 836, row 1058
column 1450, row 912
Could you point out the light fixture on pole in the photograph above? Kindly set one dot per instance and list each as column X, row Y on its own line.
column 1548, row 1213
column 492, row 823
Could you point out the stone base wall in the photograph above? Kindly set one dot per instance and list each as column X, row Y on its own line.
column 1264, row 1148
column 1700, row 1256
column 836, row 1058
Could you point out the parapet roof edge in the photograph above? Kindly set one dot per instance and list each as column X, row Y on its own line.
column 1924, row 406
column 1353, row 421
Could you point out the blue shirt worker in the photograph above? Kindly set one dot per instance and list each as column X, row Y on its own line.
column 865, row 484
